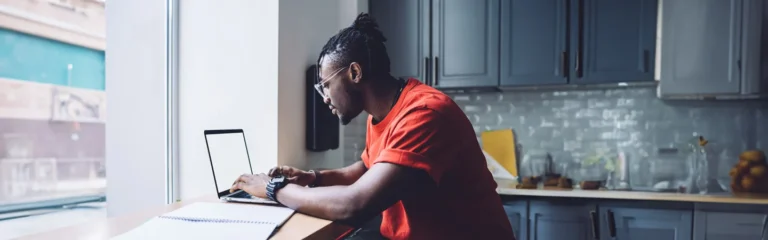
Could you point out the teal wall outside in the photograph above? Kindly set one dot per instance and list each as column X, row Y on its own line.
column 31, row 58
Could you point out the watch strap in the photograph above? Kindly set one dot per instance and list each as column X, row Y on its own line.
column 271, row 194
column 316, row 182
column 272, row 188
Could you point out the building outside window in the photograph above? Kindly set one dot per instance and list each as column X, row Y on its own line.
column 52, row 114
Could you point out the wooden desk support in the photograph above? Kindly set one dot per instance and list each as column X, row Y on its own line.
column 299, row 226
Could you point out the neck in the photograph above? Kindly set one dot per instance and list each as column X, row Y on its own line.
column 379, row 101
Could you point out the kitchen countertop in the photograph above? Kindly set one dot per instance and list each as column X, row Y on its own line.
column 507, row 188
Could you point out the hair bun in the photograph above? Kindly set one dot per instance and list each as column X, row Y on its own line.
column 365, row 23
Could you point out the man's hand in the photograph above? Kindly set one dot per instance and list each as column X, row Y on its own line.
column 256, row 185
column 293, row 175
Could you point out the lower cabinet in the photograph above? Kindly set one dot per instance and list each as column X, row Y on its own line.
column 730, row 222
column 517, row 213
column 642, row 223
column 562, row 220
column 580, row 219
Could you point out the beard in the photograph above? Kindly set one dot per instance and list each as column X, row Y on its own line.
column 355, row 107
column 347, row 118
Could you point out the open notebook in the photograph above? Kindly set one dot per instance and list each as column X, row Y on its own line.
column 213, row 221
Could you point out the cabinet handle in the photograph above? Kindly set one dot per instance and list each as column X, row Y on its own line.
column 563, row 64
column 426, row 70
column 611, row 223
column 646, row 60
column 594, row 218
column 580, row 47
column 765, row 223
column 437, row 72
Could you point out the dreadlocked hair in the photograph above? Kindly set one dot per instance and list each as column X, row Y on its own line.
column 362, row 42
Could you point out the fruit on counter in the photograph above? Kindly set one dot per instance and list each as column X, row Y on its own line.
column 753, row 156
column 750, row 173
column 747, row 182
column 757, row 171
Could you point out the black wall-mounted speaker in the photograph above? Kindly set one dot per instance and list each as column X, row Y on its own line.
column 322, row 125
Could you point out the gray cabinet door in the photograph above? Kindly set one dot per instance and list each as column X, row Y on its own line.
column 638, row 223
column 465, row 43
column 613, row 41
column 405, row 24
column 550, row 221
column 533, row 42
column 728, row 226
column 517, row 213
column 700, row 46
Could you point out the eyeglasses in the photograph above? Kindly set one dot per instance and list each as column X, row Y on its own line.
column 321, row 86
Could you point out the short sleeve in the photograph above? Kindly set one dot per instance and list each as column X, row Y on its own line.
column 420, row 140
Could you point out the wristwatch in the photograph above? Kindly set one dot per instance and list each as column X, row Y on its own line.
column 276, row 183
column 317, row 178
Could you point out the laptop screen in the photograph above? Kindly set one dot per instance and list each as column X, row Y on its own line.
column 229, row 158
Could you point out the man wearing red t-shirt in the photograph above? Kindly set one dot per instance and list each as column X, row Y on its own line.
column 422, row 168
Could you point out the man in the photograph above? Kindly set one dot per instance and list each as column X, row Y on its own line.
column 422, row 169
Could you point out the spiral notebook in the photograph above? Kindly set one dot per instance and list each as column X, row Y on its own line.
column 213, row 220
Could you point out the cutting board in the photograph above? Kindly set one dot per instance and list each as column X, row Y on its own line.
column 500, row 144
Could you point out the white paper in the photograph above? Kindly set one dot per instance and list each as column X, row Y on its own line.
column 162, row 228
column 234, row 212
column 496, row 169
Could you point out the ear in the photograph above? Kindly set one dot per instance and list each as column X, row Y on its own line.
column 357, row 72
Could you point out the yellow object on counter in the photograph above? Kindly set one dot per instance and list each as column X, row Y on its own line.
column 500, row 144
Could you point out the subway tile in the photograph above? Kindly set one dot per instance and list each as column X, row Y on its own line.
column 570, row 123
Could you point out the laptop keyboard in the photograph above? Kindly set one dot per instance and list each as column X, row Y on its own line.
column 241, row 194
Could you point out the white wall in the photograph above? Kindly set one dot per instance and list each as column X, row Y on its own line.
column 305, row 26
column 240, row 63
column 228, row 78
column 135, row 129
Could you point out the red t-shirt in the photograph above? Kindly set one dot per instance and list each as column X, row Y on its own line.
column 427, row 130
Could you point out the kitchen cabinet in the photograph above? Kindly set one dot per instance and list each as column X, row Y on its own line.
column 465, row 43
column 730, row 221
column 698, row 57
column 444, row 43
column 550, row 220
column 641, row 223
column 533, row 42
column 517, row 213
column 613, row 41
column 491, row 43
column 577, row 41
column 711, row 48
column 405, row 24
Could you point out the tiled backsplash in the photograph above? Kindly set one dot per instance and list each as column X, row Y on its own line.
column 571, row 123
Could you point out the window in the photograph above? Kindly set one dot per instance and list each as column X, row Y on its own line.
column 52, row 114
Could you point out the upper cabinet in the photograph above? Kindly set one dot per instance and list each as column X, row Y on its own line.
column 405, row 24
column 508, row 43
column 534, row 42
column 613, row 41
column 711, row 48
column 465, row 43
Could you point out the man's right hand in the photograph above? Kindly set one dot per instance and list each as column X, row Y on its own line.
column 293, row 175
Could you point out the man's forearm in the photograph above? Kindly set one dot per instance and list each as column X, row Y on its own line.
column 342, row 176
column 330, row 203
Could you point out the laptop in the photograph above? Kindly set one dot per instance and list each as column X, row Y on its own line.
column 228, row 153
